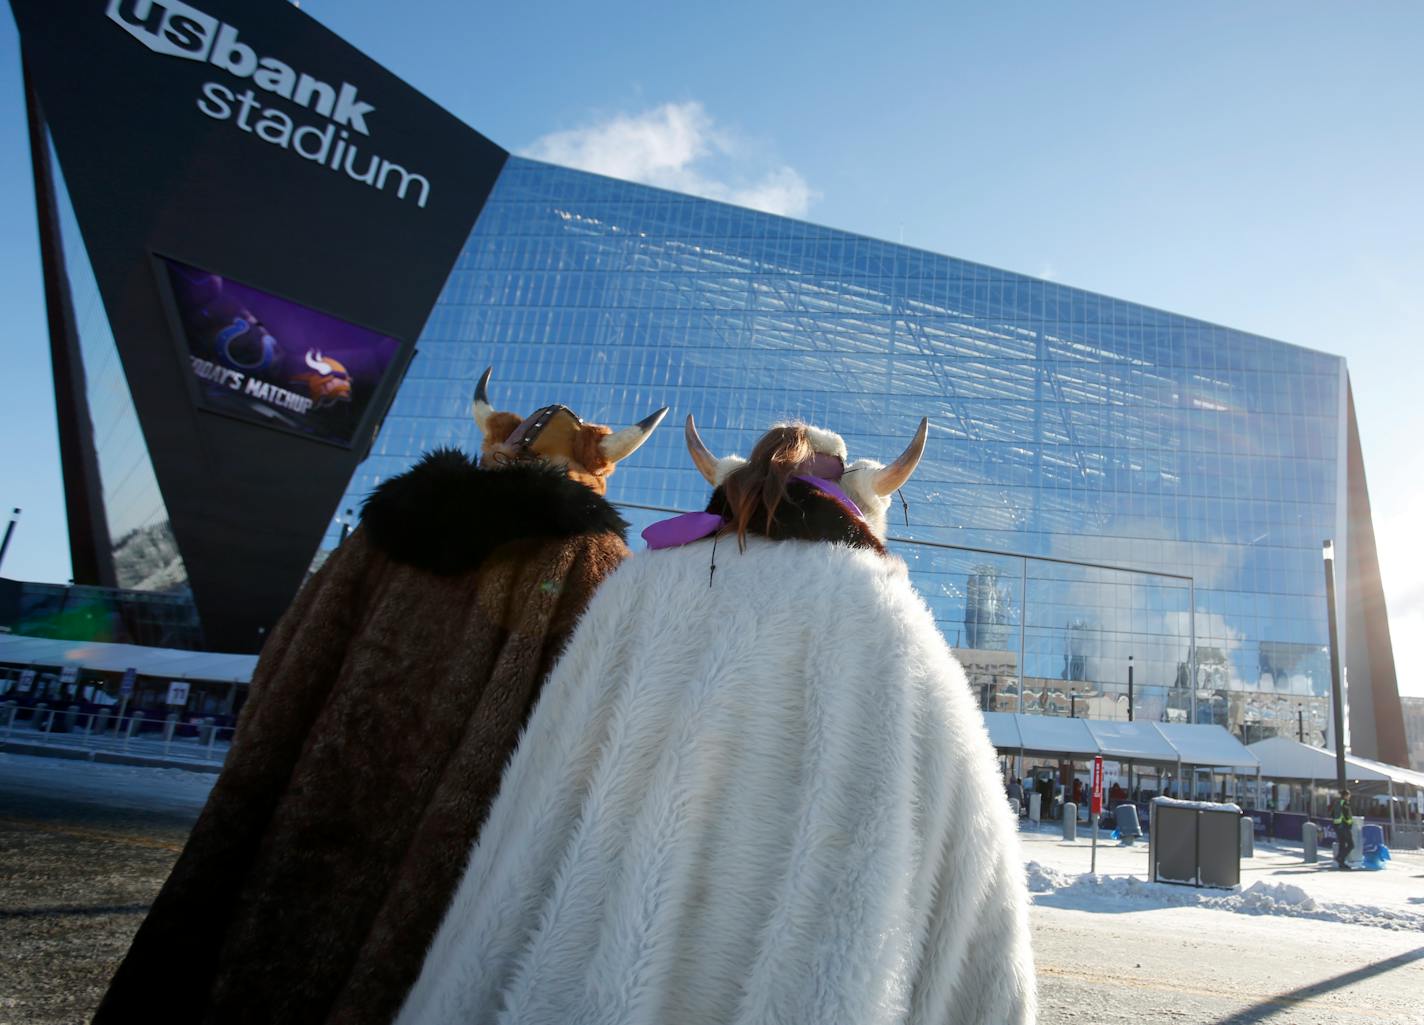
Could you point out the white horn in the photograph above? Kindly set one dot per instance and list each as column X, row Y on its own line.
column 704, row 460
column 622, row 444
column 888, row 480
column 317, row 363
column 481, row 406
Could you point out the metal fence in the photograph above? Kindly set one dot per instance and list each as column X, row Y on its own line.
column 154, row 734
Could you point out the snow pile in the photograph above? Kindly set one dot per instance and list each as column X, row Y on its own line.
column 1045, row 879
column 1264, row 898
column 1172, row 802
column 1054, row 887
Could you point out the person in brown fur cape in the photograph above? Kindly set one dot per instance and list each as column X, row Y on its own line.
column 381, row 714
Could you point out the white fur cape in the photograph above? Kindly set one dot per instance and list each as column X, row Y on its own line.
column 765, row 799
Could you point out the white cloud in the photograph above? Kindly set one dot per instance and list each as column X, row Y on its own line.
column 678, row 146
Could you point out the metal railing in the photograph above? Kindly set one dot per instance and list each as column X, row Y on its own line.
column 150, row 733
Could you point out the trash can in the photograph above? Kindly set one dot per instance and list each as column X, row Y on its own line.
column 1128, row 828
column 1373, row 850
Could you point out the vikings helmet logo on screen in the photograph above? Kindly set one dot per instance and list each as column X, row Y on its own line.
column 328, row 382
column 274, row 361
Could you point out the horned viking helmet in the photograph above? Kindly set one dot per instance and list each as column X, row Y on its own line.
column 556, row 435
column 868, row 483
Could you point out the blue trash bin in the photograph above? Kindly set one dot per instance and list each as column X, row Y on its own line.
column 1372, row 847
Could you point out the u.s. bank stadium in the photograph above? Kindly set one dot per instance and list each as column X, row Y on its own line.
column 1119, row 516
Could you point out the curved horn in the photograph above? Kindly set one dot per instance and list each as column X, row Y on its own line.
column 481, row 406
column 318, row 362
column 704, row 460
column 895, row 475
column 622, row 444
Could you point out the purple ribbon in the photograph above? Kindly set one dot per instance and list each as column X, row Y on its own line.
column 694, row 526
column 834, row 491
column 683, row 530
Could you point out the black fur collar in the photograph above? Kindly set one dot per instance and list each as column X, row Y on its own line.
column 445, row 514
column 807, row 514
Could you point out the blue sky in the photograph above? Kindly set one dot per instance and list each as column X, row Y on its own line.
column 1257, row 165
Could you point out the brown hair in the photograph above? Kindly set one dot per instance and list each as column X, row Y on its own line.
column 754, row 490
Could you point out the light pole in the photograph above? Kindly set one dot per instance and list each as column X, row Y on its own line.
column 14, row 518
column 1072, row 703
column 1327, row 550
column 1300, row 724
column 1129, row 688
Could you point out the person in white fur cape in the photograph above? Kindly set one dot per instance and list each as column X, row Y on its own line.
column 755, row 788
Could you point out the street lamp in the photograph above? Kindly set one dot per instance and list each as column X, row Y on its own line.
column 1129, row 688
column 14, row 518
column 1327, row 550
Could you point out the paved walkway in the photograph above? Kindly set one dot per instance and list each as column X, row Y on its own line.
column 84, row 848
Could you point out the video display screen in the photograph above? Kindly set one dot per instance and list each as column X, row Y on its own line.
column 272, row 361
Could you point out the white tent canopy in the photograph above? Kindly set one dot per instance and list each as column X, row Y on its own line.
column 1206, row 744
column 164, row 663
column 1196, row 744
column 1283, row 758
column 1046, row 734
column 1131, row 741
column 1408, row 777
column 1003, row 730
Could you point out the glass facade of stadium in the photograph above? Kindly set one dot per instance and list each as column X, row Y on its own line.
column 1093, row 465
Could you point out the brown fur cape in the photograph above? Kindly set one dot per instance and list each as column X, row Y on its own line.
column 381, row 714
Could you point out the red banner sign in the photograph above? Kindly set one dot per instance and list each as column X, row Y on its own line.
column 1098, row 785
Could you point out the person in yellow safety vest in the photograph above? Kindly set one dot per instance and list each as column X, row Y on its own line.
column 1344, row 830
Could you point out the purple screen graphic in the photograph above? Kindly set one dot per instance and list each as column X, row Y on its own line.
column 276, row 362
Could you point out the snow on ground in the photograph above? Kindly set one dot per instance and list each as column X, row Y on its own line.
column 1276, row 881
column 118, row 787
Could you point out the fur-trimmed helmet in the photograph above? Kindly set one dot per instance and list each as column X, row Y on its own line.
column 557, row 436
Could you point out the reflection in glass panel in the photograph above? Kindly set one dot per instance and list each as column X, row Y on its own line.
column 144, row 550
column 1064, row 425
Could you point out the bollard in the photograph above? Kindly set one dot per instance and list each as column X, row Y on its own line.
column 103, row 723
column 1035, row 808
column 7, row 712
column 40, row 720
column 1308, row 839
column 168, row 725
column 1070, row 821
column 1248, row 836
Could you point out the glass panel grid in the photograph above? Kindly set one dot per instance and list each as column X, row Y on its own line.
column 1063, row 424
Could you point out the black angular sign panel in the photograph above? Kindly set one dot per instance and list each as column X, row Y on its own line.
column 242, row 140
